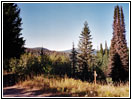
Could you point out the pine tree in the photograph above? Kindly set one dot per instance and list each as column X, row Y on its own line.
column 118, row 61
column 101, row 50
column 85, row 56
column 13, row 44
column 124, row 51
column 44, row 62
column 73, row 57
column 100, row 54
column 41, row 52
column 105, row 59
column 106, row 48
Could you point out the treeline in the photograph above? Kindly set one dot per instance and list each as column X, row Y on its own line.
column 29, row 65
column 108, row 63
column 113, row 63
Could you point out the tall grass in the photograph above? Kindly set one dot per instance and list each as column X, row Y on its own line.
column 76, row 87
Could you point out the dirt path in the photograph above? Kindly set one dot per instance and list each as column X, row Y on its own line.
column 15, row 91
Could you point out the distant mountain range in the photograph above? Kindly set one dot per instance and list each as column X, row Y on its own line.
column 69, row 51
column 37, row 50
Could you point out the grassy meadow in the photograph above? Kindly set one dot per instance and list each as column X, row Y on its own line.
column 75, row 88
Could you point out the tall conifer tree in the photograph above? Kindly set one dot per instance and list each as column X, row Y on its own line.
column 13, row 44
column 118, row 61
column 105, row 59
column 73, row 57
column 101, row 50
column 85, row 55
column 106, row 48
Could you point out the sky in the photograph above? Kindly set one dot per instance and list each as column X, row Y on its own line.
column 56, row 26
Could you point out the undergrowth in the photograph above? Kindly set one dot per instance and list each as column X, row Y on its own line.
column 76, row 87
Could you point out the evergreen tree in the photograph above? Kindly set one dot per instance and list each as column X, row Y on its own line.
column 105, row 59
column 13, row 44
column 101, row 50
column 45, row 62
column 118, row 61
column 73, row 57
column 106, row 48
column 85, row 56
column 123, row 52
column 100, row 56
column 41, row 52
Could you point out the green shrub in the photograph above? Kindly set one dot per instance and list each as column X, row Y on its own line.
column 30, row 65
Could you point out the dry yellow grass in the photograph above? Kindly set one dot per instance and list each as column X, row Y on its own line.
column 76, row 87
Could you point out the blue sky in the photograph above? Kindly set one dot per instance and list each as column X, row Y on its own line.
column 56, row 25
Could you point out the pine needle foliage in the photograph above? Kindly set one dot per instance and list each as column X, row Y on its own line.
column 118, row 67
column 85, row 56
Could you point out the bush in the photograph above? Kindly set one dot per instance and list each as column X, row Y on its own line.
column 29, row 65
column 61, row 65
column 45, row 64
column 15, row 65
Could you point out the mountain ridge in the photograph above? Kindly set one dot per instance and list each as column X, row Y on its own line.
column 38, row 49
